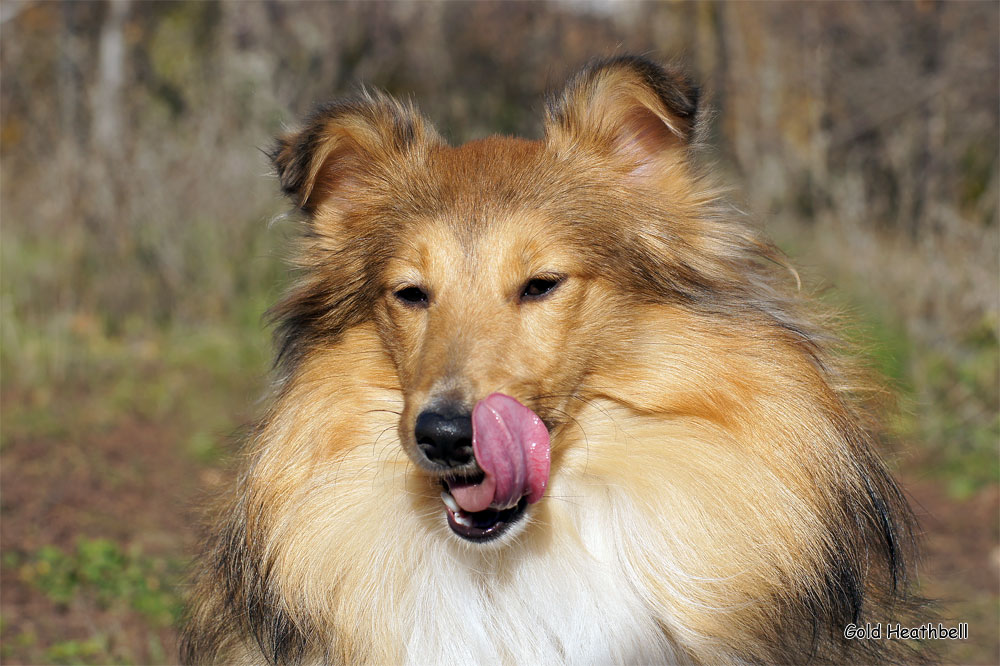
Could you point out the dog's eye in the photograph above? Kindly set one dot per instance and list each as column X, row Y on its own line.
column 537, row 288
column 412, row 296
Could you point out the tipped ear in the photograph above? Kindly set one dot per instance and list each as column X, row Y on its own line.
column 627, row 107
column 344, row 141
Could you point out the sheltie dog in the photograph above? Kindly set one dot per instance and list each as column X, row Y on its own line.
column 544, row 402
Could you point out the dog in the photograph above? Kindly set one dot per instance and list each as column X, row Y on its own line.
column 544, row 402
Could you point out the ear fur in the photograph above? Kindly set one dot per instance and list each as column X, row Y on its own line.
column 342, row 142
column 627, row 107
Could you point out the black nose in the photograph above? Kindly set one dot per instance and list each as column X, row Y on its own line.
column 445, row 440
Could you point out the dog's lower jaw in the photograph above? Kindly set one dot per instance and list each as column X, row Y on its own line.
column 485, row 526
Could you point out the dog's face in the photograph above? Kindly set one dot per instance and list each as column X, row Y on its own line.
column 470, row 312
column 498, row 273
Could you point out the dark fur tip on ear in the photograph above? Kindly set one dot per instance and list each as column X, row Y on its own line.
column 342, row 137
column 291, row 166
column 678, row 94
column 293, row 153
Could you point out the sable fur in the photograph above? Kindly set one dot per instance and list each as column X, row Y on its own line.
column 715, row 494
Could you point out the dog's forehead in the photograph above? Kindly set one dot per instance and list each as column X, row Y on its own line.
column 493, row 198
column 468, row 190
column 491, row 156
column 485, row 175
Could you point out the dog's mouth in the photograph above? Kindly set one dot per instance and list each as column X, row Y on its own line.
column 511, row 446
column 479, row 526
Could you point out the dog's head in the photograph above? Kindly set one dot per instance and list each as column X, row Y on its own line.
column 501, row 274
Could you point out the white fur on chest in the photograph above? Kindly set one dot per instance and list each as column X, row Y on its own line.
column 567, row 600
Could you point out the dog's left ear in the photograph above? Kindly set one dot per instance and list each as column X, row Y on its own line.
column 627, row 108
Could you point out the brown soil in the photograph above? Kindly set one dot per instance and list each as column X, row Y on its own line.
column 129, row 485
column 959, row 568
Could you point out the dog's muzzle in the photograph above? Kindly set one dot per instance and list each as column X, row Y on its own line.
column 496, row 463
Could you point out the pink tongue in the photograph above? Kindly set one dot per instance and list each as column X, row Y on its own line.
column 512, row 447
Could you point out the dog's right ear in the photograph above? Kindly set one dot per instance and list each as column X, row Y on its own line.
column 344, row 142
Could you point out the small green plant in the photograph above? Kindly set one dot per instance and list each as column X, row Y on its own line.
column 964, row 387
column 101, row 572
column 90, row 651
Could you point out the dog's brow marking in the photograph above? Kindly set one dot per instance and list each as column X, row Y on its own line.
column 468, row 232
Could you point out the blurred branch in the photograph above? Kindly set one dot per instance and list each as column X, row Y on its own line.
column 11, row 9
column 892, row 112
column 107, row 117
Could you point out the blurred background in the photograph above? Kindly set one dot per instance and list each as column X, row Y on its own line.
column 142, row 239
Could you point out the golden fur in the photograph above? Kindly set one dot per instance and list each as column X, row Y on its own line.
column 714, row 496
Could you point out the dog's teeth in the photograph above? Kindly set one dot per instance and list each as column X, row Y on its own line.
column 450, row 502
column 463, row 519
